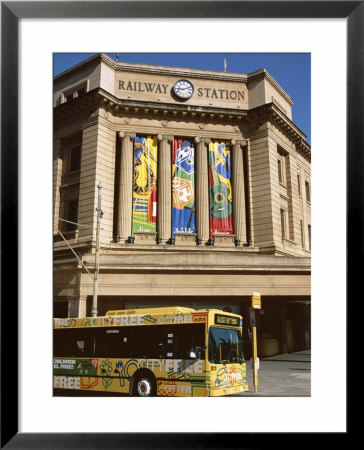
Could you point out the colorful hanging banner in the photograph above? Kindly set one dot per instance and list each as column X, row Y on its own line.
column 183, row 187
column 145, row 184
column 221, row 219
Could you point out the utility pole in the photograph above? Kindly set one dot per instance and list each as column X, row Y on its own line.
column 97, row 251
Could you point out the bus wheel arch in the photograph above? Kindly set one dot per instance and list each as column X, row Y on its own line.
column 143, row 384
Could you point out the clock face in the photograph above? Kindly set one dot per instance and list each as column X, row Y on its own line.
column 183, row 89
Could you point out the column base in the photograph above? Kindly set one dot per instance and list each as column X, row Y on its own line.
column 168, row 241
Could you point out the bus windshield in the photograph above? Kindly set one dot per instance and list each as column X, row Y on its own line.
column 225, row 346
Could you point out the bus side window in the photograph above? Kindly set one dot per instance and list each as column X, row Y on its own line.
column 113, row 343
column 181, row 339
column 101, row 344
column 80, row 347
column 71, row 343
column 82, row 342
column 146, row 340
column 60, row 343
column 121, row 343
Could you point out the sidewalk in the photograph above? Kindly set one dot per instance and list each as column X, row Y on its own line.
column 285, row 375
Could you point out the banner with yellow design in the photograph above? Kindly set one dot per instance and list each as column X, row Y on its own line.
column 145, row 184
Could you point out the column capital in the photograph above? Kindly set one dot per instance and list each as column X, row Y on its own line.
column 165, row 137
column 202, row 140
column 127, row 134
column 241, row 142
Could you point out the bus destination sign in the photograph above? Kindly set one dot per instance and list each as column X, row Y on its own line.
column 222, row 319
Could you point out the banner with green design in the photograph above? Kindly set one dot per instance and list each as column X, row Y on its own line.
column 75, row 366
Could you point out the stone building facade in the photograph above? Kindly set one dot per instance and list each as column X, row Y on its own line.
column 206, row 194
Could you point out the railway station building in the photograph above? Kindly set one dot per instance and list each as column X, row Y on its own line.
column 205, row 189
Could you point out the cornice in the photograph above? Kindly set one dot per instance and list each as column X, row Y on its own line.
column 270, row 111
column 152, row 70
column 175, row 72
column 137, row 108
column 181, row 73
column 99, row 98
column 261, row 74
column 93, row 60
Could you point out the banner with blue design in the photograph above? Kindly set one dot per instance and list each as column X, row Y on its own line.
column 183, row 187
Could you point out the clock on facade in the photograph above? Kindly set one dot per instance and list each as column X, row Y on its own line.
column 183, row 89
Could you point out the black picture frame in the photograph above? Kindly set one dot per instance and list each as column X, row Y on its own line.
column 11, row 12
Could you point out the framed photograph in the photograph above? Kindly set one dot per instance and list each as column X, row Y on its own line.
column 31, row 33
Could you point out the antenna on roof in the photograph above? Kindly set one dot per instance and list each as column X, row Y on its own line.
column 117, row 56
column 225, row 65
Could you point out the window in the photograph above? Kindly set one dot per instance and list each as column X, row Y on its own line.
column 302, row 235
column 225, row 346
column 75, row 158
column 179, row 340
column 299, row 184
column 308, row 194
column 73, row 343
column 280, row 171
column 154, row 342
column 283, row 223
column 71, row 214
column 309, row 237
column 281, row 161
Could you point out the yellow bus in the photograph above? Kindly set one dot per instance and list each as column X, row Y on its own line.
column 172, row 351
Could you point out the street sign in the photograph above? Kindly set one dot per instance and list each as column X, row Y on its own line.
column 256, row 301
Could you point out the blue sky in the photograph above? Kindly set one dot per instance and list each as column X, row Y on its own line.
column 291, row 70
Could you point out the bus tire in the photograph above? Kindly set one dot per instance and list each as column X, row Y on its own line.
column 144, row 384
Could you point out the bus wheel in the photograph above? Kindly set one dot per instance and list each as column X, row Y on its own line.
column 145, row 385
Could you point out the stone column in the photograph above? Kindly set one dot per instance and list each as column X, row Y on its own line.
column 82, row 306
column 239, row 210
column 202, row 191
column 164, row 191
column 57, row 177
column 125, row 198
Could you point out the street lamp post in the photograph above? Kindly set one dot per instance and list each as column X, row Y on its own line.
column 97, row 252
